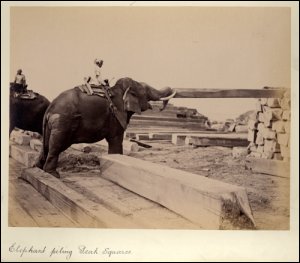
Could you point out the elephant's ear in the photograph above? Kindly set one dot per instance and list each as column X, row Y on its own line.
column 132, row 103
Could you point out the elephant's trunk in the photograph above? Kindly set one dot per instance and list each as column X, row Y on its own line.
column 154, row 94
column 163, row 95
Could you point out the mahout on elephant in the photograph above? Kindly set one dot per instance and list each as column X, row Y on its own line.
column 20, row 82
column 75, row 117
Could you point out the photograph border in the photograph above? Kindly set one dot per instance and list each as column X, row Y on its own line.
column 152, row 245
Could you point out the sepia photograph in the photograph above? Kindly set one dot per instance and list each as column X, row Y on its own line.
column 137, row 132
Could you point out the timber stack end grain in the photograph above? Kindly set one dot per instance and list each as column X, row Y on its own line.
column 269, row 129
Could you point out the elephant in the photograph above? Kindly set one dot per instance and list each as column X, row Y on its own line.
column 76, row 117
column 27, row 113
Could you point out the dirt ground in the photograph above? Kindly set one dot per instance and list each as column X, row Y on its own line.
column 268, row 195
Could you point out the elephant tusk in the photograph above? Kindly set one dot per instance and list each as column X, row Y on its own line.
column 126, row 91
column 169, row 97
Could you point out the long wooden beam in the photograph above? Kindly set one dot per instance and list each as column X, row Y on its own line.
column 230, row 93
column 74, row 205
column 206, row 202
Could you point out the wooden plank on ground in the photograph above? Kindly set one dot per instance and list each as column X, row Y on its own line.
column 268, row 166
column 102, row 146
column 143, row 212
column 74, row 205
column 224, row 142
column 209, row 139
column 153, row 136
column 36, row 207
column 160, row 136
column 179, row 139
column 166, row 119
column 128, row 146
column 230, row 93
column 216, row 135
column 204, row 201
column 142, row 137
column 167, row 124
column 18, row 217
column 27, row 207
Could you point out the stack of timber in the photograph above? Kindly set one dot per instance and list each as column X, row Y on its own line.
column 269, row 136
column 171, row 116
column 25, row 147
column 185, row 118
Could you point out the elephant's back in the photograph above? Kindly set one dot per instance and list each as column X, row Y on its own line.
column 43, row 100
column 39, row 103
column 74, row 101
column 64, row 102
column 28, row 114
column 42, row 103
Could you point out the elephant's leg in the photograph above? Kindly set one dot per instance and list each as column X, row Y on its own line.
column 45, row 149
column 42, row 157
column 115, row 144
column 41, row 160
column 51, row 164
column 58, row 142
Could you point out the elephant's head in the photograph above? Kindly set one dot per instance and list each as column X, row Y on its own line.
column 137, row 95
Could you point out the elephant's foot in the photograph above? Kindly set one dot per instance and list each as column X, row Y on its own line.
column 40, row 162
column 38, row 165
column 54, row 173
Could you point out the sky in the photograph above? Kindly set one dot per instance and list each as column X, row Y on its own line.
column 179, row 47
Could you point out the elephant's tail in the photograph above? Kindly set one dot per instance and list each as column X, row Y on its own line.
column 46, row 136
column 45, row 149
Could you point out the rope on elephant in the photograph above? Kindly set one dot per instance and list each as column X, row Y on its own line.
column 104, row 92
column 97, row 90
